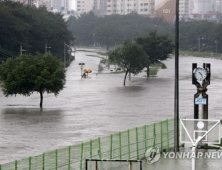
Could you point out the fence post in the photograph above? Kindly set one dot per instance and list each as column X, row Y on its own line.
column 120, row 153
column 168, row 145
column 154, row 135
column 99, row 151
column 111, row 146
column 128, row 144
column 81, row 156
column 137, row 144
column 15, row 164
column 30, row 162
column 43, row 161
column 56, row 159
column 145, row 137
column 69, row 157
column 90, row 149
column 161, row 131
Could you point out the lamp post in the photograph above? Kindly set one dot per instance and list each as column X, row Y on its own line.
column 46, row 47
column 81, row 67
column 94, row 43
column 21, row 50
column 216, row 42
column 65, row 53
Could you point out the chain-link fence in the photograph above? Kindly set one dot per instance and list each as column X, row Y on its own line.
column 129, row 144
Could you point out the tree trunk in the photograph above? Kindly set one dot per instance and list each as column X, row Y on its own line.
column 124, row 82
column 148, row 71
column 41, row 99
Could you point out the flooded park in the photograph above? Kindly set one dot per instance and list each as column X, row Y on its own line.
column 99, row 105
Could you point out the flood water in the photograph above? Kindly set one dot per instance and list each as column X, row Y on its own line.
column 98, row 106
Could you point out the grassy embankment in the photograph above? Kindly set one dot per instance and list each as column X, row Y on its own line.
column 201, row 54
column 153, row 67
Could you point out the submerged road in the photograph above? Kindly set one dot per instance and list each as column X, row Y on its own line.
column 98, row 106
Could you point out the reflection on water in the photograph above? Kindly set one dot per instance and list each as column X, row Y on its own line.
column 90, row 108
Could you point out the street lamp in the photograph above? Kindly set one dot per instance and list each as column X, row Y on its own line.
column 46, row 47
column 81, row 67
column 216, row 42
column 94, row 40
column 65, row 53
column 21, row 50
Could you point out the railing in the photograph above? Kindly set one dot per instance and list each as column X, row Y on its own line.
column 129, row 144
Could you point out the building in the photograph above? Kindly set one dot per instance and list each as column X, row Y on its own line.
column 202, row 6
column 124, row 7
column 100, row 7
column 167, row 9
column 84, row 6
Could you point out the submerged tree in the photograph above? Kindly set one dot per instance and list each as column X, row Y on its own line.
column 27, row 74
column 130, row 57
column 157, row 47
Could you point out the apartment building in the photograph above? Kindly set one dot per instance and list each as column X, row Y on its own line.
column 124, row 7
column 100, row 7
column 83, row 6
column 185, row 9
column 202, row 6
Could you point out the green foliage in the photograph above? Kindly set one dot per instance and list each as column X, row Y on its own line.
column 200, row 35
column 130, row 56
column 157, row 47
column 27, row 74
column 31, row 28
column 112, row 30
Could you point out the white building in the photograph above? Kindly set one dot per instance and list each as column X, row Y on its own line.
column 202, row 6
column 123, row 7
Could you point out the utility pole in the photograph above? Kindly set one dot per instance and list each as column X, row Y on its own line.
column 176, row 92
column 21, row 50
column 46, row 47
column 64, row 55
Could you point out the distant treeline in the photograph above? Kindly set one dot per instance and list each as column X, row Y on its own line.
column 31, row 28
column 112, row 30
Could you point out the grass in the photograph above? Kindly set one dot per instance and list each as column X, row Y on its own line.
column 201, row 54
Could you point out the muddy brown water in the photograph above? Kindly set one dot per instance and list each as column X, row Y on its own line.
column 98, row 106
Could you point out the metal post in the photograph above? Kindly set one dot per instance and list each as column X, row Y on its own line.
column 120, row 154
column 193, row 158
column 56, row 159
column 16, row 165
column 128, row 132
column 64, row 55
column 86, row 164
column 30, row 163
column 90, row 148
column 168, row 139
column 130, row 166
column 43, row 161
column 69, row 157
column 176, row 97
column 161, row 131
column 145, row 137
column 137, row 144
column 111, row 146
column 21, row 50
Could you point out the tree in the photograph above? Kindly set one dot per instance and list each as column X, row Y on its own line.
column 157, row 47
column 31, row 28
column 27, row 74
column 130, row 57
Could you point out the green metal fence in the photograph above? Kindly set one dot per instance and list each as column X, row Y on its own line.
column 129, row 144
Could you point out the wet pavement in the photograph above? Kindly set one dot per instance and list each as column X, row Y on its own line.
column 98, row 106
